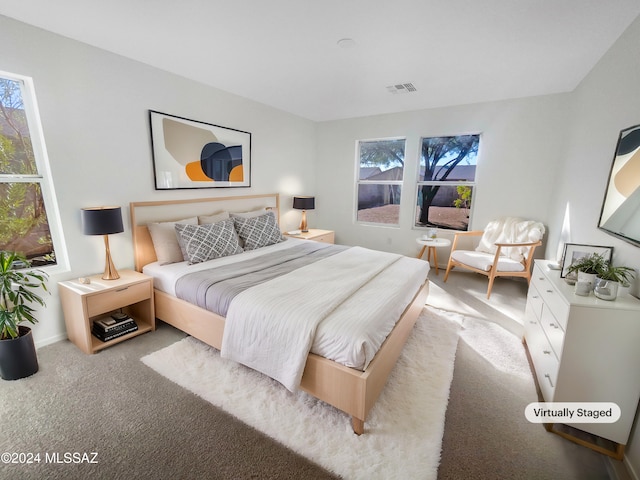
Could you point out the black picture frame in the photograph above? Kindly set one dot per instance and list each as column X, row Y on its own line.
column 575, row 251
column 190, row 154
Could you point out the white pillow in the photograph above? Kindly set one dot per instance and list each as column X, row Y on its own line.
column 251, row 214
column 215, row 218
column 165, row 240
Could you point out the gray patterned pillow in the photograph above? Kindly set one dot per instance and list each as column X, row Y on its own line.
column 206, row 242
column 258, row 231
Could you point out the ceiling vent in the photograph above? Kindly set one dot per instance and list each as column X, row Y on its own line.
column 401, row 88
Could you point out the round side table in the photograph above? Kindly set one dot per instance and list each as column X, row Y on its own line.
column 430, row 245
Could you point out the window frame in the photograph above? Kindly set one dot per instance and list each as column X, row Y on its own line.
column 358, row 182
column 43, row 175
column 473, row 184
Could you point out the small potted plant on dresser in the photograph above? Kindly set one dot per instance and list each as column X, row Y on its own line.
column 19, row 287
column 609, row 279
column 587, row 269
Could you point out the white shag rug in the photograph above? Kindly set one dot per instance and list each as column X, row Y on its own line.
column 403, row 432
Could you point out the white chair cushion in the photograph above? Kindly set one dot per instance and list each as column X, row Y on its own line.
column 484, row 261
column 510, row 230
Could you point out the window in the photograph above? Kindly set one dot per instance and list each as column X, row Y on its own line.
column 380, row 172
column 446, row 181
column 24, row 191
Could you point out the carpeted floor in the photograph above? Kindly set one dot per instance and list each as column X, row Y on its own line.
column 144, row 426
column 486, row 435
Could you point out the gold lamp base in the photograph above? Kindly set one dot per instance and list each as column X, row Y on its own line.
column 110, row 272
column 303, row 222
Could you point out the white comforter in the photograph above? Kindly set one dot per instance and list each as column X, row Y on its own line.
column 275, row 337
column 352, row 334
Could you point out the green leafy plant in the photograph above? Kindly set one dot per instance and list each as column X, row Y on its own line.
column 464, row 197
column 617, row 274
column 18, row 290
column 593, row 264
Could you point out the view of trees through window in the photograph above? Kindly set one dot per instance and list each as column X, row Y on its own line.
column 24, row 226
column 380, row 174
column 446, row 181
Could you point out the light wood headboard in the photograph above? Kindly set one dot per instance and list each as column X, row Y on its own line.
column 143, row 213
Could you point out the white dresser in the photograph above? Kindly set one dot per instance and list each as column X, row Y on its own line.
column 584, row 349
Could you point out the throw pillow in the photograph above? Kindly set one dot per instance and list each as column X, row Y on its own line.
column 165, row 241
column 259, row 231
column 206, row 242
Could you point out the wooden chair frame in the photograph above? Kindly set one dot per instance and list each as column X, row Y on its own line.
column 493, row 272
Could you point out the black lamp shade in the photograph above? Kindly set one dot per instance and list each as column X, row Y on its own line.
column 101, row 220
column 304, row 203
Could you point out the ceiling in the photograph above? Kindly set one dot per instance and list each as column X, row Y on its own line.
column 285, row 53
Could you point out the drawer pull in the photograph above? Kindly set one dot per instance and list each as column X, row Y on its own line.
column 546, row 352
column 549, row 291
column 549, row 378
column 551, row 324
column 122, row 289
column 532, row 322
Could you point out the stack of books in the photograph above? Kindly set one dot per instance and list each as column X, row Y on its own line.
column 117, row 325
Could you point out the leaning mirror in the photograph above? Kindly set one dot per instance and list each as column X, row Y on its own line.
column 620, row 215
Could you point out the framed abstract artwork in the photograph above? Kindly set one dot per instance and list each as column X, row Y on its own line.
column 620, row 214
column 574, row 252
column 192, row 154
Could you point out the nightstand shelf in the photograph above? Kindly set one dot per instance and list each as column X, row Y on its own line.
column 132, row 294
column 325, row 236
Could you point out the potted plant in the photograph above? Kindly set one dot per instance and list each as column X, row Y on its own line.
column 587, row 268
column 18, row 291
column 609, row 279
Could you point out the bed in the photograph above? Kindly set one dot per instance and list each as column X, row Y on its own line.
column 352, row 386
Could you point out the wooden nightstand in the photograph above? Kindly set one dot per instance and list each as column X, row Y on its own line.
column 325, row 236
column 83, row 303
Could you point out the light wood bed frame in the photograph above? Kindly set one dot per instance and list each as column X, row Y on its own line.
column 351, row 391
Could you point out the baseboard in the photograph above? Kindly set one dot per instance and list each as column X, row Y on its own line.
column 620, row 470
column 630, row 471
column 50, row 340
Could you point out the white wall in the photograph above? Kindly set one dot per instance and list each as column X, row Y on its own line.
column 607, row 101
column 94, row 109
column 537, row 154
column 522, row 147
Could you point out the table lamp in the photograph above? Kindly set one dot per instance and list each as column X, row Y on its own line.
column 103, row 221
column 304, row 204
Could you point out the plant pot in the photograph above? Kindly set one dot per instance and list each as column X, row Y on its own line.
column 584, row 283
column 589, row 278
column 18, row 357
column 606, row 289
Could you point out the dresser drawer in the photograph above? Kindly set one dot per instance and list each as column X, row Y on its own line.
column 326, row 238
column 547, row 373
column 553, row 331
column 551, row 297
column 534, row 301
column 533, row 333
column 546, row 366
column 117, row 298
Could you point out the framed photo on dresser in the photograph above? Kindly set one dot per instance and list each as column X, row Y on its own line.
column 575, row 251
